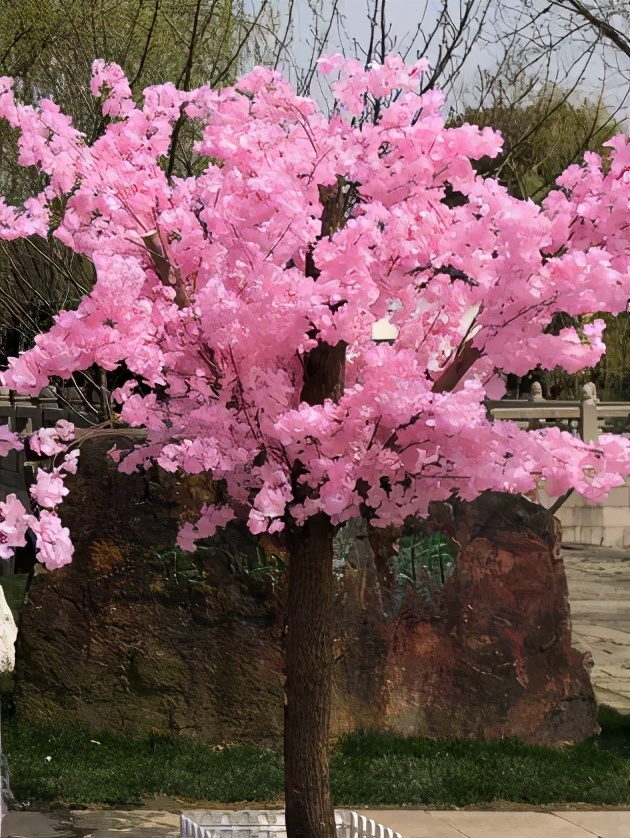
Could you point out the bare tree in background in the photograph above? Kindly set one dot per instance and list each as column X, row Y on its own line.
column 588, row 43
column 605, row 20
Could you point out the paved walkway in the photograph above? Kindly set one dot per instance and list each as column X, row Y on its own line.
column 599, row 593
column 421, row 824
column 95, row 823
column 410, row 823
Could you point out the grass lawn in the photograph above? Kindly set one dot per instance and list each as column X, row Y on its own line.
column 73, row 767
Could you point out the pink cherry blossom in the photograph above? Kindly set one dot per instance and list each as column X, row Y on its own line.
column 212, row 291
column 9, row 441
column 13, row 525
column 48, row 490
column 212, row 517
column 53, row 546
column 51, row 441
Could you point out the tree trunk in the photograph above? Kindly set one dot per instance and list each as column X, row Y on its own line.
column 308, row 686
column 309, row 643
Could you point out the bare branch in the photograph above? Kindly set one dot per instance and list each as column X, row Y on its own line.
column 600, row 24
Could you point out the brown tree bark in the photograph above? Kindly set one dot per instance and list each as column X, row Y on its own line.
column 309, row 639
column 457, row 369
column 309, row 642
column 308, row 687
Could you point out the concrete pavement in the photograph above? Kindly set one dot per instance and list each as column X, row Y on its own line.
column 465, row 824
column 599, row 593
column 411, row 823
column 95, row 823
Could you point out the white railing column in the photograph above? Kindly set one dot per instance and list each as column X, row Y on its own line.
column 589, row 428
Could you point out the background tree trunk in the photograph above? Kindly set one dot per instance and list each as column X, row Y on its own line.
column 309, row 659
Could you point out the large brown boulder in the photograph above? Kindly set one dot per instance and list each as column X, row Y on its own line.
column 498, row 661
column 133, row 636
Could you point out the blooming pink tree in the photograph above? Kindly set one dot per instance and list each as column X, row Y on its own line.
column 243, row 301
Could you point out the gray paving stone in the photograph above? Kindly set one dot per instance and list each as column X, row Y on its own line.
column 511, row 825
column 602, row 824
column 599, row 594
column 412, row 823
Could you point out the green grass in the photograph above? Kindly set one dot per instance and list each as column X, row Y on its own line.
column 121, row 771
column 373, row 769
column 386, row 770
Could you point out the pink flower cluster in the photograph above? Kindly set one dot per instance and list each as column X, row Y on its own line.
column 53, row 546
column 214, row 288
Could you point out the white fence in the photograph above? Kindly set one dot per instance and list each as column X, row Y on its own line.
column 270, row 823
column 584, row 418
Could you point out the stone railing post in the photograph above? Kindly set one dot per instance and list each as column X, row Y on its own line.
column 589, row 428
